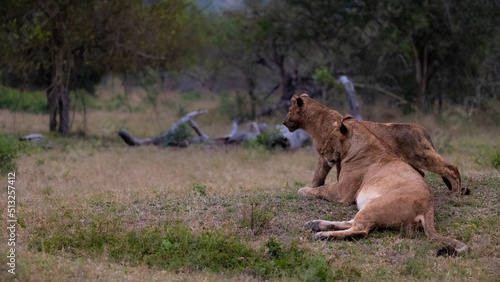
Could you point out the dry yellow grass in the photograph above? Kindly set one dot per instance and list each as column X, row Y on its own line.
column 86, row 177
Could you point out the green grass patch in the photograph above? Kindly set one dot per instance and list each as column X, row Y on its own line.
column 191, row 95
column 199, row 188
column 14, row 100
column 173, row 246
column 81, row 99
column 488, row 156
column 495, row 160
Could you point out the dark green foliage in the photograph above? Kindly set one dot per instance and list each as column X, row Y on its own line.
column 62, row 47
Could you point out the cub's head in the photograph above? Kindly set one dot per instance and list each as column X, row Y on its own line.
column 331, row 151
column 296, row 113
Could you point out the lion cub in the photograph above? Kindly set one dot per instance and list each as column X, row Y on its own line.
column 387, row 191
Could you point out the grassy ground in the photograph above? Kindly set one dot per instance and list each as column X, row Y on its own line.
column 95, row 209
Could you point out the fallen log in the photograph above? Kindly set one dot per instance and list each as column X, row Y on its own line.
column 170, row 138
column 278, row 136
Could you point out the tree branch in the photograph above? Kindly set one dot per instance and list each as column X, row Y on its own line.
column 140, row 53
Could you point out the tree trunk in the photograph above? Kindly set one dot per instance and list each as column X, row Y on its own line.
column 64, row 111
column 253, row 99
column 58, row 96
column 421, row 79
column 52, row 102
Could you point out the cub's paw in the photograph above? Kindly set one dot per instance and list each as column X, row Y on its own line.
column 312, row 225
column 306, row 191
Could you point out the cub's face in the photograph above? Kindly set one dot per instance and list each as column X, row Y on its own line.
column 294, row 118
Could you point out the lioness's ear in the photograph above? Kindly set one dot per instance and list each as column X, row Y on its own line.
column 347, row 117
column 304, row 95
column 300, row 102
column 343, row 129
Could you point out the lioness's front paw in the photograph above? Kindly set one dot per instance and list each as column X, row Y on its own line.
column 305, row 191
column 321, row 236
column 312, row 225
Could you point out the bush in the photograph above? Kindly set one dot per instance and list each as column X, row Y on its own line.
column 10, row 148
column 268, row 140
column 32, row 102
column 183, row 132
column 495, row 162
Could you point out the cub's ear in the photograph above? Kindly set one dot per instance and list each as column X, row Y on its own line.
column 300, row 102
column 304, row 95
column 343, row 128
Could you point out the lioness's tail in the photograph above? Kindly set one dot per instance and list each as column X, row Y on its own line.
column 428, row 223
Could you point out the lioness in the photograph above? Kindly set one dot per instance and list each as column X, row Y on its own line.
column 387, row 191
column 410, row 142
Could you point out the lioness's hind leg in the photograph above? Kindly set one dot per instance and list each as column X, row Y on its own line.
column 324, row 225
column 351, row 233
column 359, row 229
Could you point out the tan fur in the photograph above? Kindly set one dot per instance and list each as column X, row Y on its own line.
column 387, row 191
column 410, row 142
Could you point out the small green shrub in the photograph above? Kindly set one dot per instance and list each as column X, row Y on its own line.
column 267, row 140
column 10, row 149
column 271, row 139
column 182, row 132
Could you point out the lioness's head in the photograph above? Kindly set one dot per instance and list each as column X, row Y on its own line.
column 295, row 117
column 332, row 148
